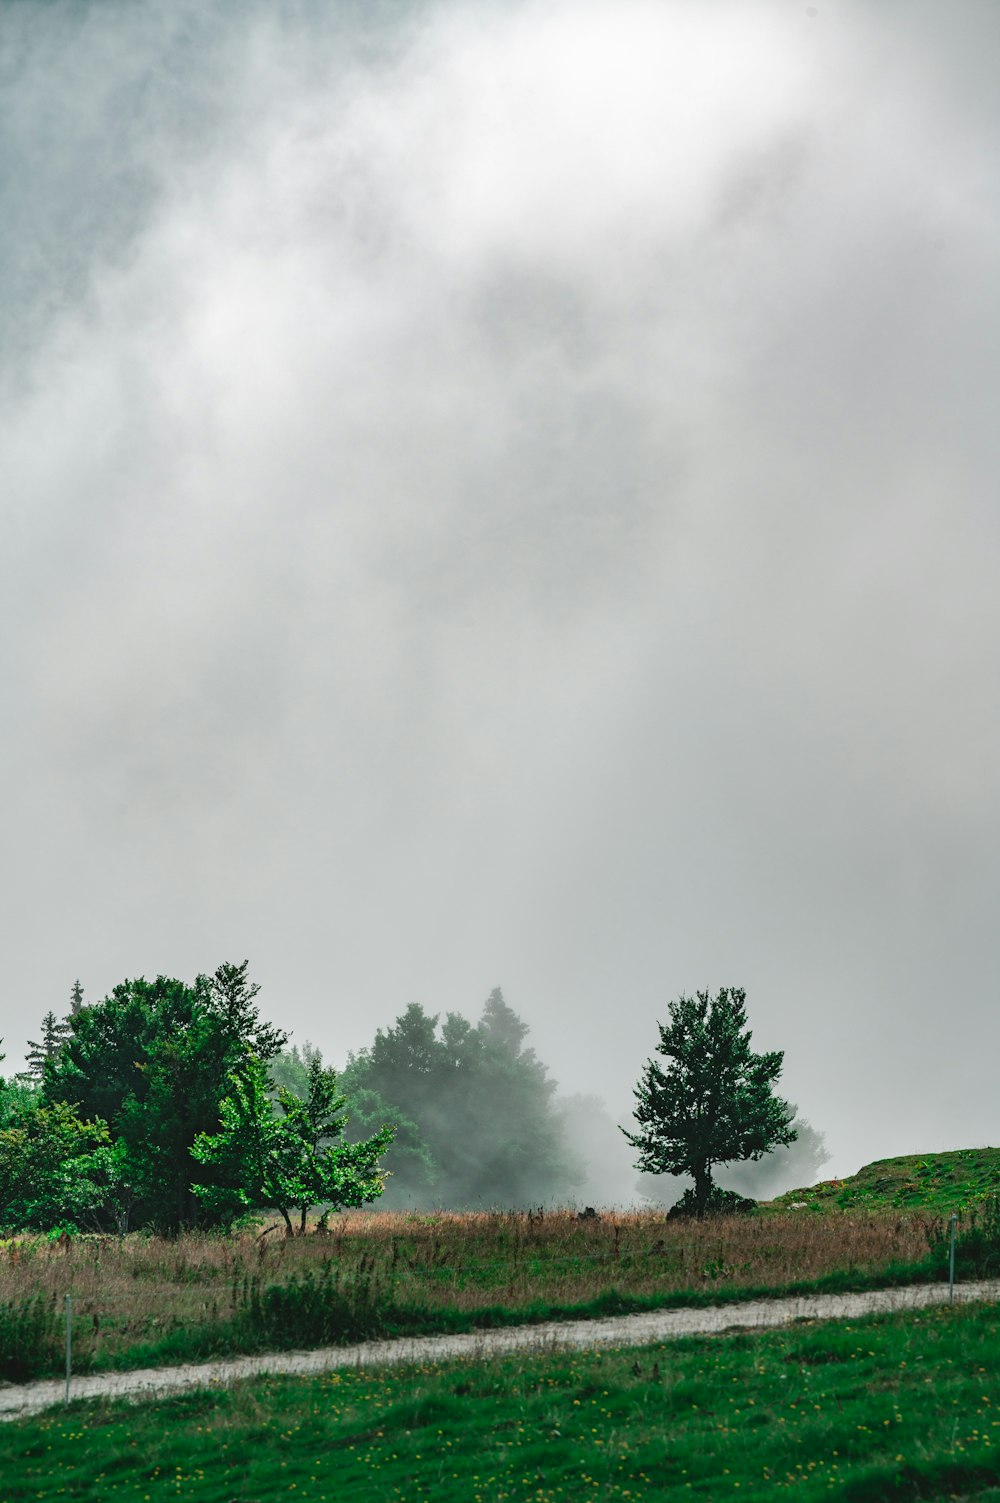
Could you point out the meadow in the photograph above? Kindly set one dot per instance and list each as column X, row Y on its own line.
column 871, row 1411
column 141, row 1299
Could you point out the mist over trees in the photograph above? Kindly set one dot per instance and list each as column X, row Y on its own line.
column 172, row 1105
column 476, row 1113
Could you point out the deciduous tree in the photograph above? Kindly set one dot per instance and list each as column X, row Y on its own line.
column 713, row 1102
column 291, row 1158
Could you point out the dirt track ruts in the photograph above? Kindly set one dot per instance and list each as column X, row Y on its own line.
column 625, row 1330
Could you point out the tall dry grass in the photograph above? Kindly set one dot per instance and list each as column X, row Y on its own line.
column 139, row 1289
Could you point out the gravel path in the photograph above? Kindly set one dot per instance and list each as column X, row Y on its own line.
column 625, row 1330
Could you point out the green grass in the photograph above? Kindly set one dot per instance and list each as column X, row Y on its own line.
column 311, row 1326
column 938, row 1183
column 874, row 1411
column 142, row 1300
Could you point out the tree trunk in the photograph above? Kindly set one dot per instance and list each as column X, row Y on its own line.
column 702, row 1188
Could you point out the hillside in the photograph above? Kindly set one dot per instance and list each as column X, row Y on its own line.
column 936, row 1182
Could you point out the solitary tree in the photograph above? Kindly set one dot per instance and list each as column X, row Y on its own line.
column 713, row 1102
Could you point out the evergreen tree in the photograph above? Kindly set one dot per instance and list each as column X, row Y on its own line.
column 232, row 1000
column 54, row 1034
column 153, row 1060
column 479, row 1102
column 714, row 1103
column 75, row 998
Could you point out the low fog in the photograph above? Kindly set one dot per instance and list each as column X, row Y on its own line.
column 505, row 494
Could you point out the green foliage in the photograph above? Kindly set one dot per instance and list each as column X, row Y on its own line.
column 31, row 1339
column 940, row 1183
column 288, row 1159
column 152, row 1060
column 409, row 1167
column 16, row 1096
column 478, row 1125
column 105, row 1061
column 290, row 1068
column 714, row 1103
column 54, row 1168
column 54, row 1032
column 786, row 1164
column 231, row 1000
column 315, row 1307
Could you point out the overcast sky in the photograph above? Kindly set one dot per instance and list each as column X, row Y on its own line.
column 506, row 494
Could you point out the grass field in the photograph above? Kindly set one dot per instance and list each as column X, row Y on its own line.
column 896, row 1408
column 938, row 1183
column 141, row 1299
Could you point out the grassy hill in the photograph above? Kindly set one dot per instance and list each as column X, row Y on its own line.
column 935, row 1182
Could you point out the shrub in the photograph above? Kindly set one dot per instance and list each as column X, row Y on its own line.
column 720, row 1203
column 31, row 1338
column 311, row 1308
column 977, row 1247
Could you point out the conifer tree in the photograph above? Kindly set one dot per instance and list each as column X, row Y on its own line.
column 54, row 1033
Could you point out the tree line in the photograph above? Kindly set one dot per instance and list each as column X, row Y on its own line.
column 169, row 1105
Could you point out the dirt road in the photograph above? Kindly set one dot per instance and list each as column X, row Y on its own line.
column 626, row 1330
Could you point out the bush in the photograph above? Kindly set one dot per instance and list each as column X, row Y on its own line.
column 311, row 1308
column 720, row 1203
column 31, row 1339
column 977, row 1247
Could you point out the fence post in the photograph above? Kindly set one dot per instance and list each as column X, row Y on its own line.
column 69, row 1344
column 951, row 1261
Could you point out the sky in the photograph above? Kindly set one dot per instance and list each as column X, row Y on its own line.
column 505, row 494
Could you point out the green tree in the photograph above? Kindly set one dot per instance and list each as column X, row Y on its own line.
column 290, row 1159
column 714, row 1102
column 54, row 1033
column 480, row 1103
column 290, row 1068
column 54, row 1169
column 784, row 1167
column 152, row 1060
column 231, row 996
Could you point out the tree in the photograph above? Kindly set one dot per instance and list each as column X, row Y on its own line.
column 290, row 1068
column 54, row 1168
column 54, row 1033
column 231, row 998
column 785, row 1167
column 152, row 1060
column 75, row 998
column 714, row 1103
column 474, row 1105
column 288, row 1159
